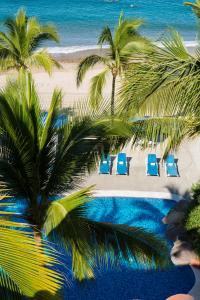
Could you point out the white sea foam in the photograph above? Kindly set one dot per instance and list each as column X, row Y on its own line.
column 188, row 44
column 74, row 49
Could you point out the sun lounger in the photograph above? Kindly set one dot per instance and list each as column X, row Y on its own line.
column 152, row 165
column 105, row 165
column 171, row 166
column 122, row 167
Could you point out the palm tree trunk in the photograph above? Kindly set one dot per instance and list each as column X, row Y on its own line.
column 113, row 95
column 37, row 237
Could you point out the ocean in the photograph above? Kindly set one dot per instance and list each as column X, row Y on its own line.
column 79, row 22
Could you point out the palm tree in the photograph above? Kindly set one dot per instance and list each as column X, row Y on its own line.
column 18, row 44
column 21, row 260
column 123, row 44
column 166, row 87
column 40, row 162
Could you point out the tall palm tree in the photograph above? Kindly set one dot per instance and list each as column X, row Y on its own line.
column 18, row 44
column 166, row 87
column 123, row 44
column 40, row 162
column 21, row 259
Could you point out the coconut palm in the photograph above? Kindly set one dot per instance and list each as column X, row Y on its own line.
column 21, row 259
column 18, row 44
column 165, row 86
column 40, row 162
column 123, row 44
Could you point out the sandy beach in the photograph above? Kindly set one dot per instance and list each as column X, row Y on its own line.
column 64, row 79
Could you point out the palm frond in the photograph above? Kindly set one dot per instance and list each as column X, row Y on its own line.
column 59, row 209
column 96, row 89
column 43, row 59
column 167, row 73
column 52, row 113
column 174, row 45
column 86, row 64
column 106, row 37
column 126, row 32
column 26, row 269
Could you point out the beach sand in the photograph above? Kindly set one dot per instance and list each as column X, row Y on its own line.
column 64, row 79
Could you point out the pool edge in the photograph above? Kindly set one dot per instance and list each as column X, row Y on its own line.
column 138, row 194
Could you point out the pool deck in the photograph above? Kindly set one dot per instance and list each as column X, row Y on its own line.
column 188, row 166
column 137, row 194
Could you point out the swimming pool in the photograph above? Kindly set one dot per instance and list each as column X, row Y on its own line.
column 129, row 282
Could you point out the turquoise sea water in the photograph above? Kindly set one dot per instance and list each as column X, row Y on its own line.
column 80, row 21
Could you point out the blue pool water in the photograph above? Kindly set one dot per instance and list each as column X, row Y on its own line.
column 80, row 21
column 128, row 283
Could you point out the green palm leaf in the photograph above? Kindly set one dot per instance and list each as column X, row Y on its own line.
column 23, row 263
column 86, row 64
column 97, row 84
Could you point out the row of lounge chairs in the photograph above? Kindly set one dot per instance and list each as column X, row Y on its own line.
column 152, row 165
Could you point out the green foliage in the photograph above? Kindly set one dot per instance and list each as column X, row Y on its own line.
column 192, row 220
column 123, row 44
column 97, row 84
column 165, row 87
column 18, row 44
column 196, row 193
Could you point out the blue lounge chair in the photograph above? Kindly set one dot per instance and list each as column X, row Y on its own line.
column 171, row 166
column 122, row 167
column 152, row 165
column 105, row 165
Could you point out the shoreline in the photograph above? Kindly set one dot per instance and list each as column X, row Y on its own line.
column 138, row 194
column 74, row 54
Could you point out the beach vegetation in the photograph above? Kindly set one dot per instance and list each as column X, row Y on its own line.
column 43, row 165
column 192, row 219
column 21, row 41
column 122, row 45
